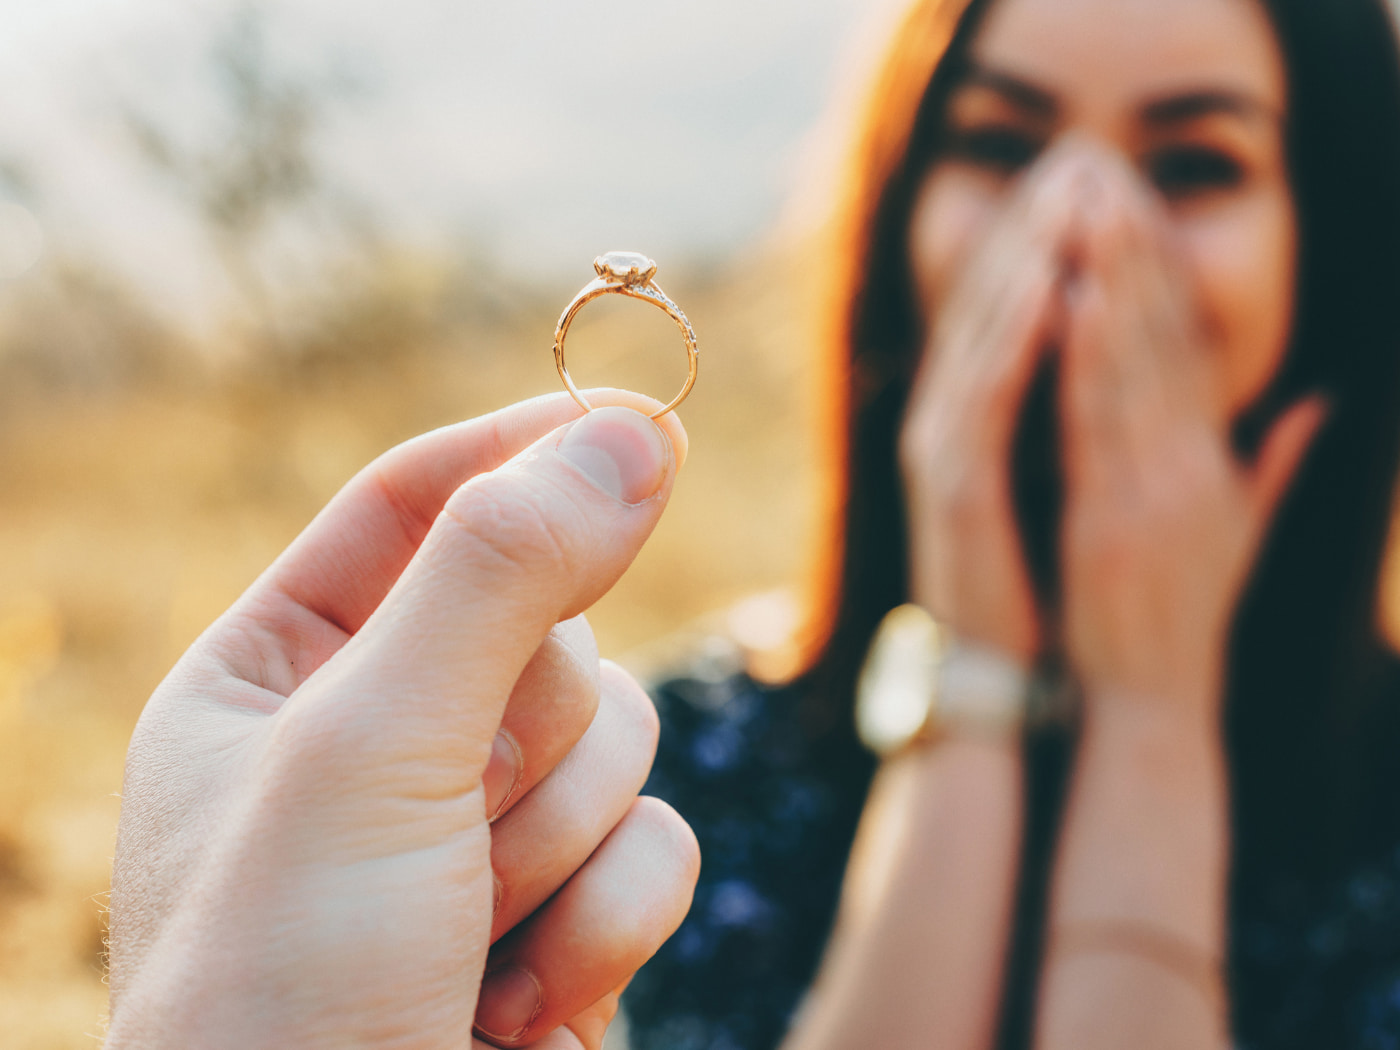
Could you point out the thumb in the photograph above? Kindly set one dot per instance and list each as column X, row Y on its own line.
column 1285, row 445
column 514, row 551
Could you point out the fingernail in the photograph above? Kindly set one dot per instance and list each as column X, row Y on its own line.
column 502, row 773
column 509, row 1003
column 621, row 451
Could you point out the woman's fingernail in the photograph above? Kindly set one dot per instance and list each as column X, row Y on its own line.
column 502, row 773
column 509, row 1003
column 621, row 451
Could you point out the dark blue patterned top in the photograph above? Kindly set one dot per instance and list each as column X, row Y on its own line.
column 775, row 816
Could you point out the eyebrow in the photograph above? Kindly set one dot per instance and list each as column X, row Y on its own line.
column 1027, row 96
column 1193, row 105
column 1164, row 111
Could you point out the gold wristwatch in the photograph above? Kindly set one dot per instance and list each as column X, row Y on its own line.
column 919, row 684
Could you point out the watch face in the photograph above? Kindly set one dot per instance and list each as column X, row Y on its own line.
column 896, row 686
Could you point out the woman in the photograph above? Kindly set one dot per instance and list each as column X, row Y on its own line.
column 1150, row 249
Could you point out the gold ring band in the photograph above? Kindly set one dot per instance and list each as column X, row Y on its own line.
column 625, row 273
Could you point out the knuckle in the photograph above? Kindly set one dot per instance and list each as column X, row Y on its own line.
column 311, row 736
column 328, row 737
column 578, row 696
column 412, row 519
column 510, row 523
column 565, row 678
column 576, row 636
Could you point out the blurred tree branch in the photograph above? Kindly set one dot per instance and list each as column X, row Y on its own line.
column 260, row 168
column 248, row 169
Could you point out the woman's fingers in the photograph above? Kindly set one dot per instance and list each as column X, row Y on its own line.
column 1134, row 366
column 968, row 395
column 1091, row 414
column 549, row 832
column 550, row 709
column 967, row 561
column 326, row 585
column 996, row 318
column 1283, row 450
column 595, row 932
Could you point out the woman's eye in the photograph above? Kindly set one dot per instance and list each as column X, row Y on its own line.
column 1003, row 150
column 1183, row 171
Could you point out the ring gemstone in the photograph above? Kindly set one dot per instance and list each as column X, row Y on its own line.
column 629, row 274
column 629, row 268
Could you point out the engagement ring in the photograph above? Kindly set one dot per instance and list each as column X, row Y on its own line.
column 625, row 273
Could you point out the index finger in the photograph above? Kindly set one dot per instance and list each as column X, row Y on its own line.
column 336, row 573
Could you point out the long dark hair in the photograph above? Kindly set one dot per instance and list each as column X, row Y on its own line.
column 1311, row 722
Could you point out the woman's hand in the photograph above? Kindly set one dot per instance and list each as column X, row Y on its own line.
column 966, row 562
column 1162, row 523
column 307, row 845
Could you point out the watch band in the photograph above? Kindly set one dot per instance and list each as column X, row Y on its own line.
column 921, row 684
column 980, row 690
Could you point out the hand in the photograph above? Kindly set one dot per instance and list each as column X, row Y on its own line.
column 1162, row 523
column 306, row 849
column 967, row 566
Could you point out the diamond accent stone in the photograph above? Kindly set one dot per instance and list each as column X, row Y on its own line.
column 629, row 268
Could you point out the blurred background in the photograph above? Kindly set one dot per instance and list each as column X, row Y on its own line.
column 245, row 247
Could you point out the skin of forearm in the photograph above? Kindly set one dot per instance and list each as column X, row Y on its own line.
column 1144, row 844
column 917, row 956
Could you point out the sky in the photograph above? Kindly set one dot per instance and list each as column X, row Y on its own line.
column 540, row 131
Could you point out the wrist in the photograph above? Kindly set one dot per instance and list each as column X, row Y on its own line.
column 1147, row 824
column 1185, row 714
column 1173, row 747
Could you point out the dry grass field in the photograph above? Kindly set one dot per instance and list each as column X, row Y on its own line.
column 146, row 479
